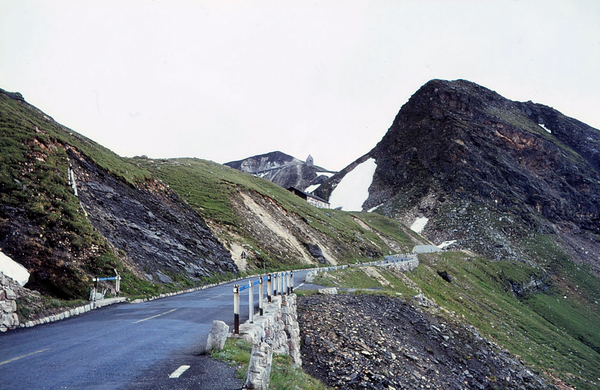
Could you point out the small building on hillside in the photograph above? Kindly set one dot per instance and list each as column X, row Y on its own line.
column 310, row 198
column 310, row 161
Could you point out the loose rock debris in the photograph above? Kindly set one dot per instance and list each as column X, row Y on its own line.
column 378, row 342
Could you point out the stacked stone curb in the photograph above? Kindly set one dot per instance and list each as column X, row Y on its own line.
column 277, row 331
column 9, row 318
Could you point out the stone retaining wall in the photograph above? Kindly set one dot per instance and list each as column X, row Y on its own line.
column 404, row 266
column 9, row 318
column 401, row 262
column 277, row 331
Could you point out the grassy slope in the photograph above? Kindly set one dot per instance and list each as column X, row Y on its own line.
column 40, row 187
column 211, row 188
column 553, row 334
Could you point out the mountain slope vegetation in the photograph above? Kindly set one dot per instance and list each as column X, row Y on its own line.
column 272, row 226
column 146, row 218
column 515, row 184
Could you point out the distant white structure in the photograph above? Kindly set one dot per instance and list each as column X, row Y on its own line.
column 309, row 160
column 426, row 249
column 13, row 270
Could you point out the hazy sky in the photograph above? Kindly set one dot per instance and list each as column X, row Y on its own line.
column 224, row 79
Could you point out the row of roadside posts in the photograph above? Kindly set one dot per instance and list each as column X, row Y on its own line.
column 279, row 283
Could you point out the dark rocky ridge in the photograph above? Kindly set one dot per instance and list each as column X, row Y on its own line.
column 486, row 173
column 161, row 234
column 282, row 169
column 377, row 342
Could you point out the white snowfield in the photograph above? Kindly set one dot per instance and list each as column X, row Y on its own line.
column 419, row 224
column 446, row 243
column 14, row 270
column 353, row 190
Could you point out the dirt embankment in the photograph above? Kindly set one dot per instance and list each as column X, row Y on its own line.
column 378, row 342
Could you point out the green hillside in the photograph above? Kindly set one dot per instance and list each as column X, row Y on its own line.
column 213, row 189
column 43, row 225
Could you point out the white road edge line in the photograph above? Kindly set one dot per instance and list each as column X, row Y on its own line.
column 158, row 315
column 300, row 285
column 177, row 373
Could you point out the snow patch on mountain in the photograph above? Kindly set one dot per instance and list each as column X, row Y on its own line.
column 310, row 189
column 353, row 190
column 545, row 128
column 328, row 174
column 419, row 224
column 14, row 270
column 446, row 244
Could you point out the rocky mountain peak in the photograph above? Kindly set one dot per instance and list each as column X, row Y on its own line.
column 284, row 170
column 485, row 171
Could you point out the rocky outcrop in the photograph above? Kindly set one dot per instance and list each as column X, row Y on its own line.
column 283, row 170
column 161, row 235
column 71, row 210
column 487, row 171
column 378, row 342
column 217, row 336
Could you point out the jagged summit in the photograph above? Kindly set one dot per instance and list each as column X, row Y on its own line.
column 484, row 170
column 264, row 162
column 284, row 170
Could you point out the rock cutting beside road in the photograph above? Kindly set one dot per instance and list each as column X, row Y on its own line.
column 379, row 342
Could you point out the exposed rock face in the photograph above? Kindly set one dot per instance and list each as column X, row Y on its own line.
column 53, row 233
column 160, row 233
column 377, row 342
column 283, row 170
column 486, row 171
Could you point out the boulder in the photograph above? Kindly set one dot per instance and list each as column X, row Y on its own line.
column 217, row 336
column 328, row 291
column 310, row 276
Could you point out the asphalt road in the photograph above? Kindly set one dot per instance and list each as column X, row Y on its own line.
column 127, row 346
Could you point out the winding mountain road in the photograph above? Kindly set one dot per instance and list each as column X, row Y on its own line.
column 129, row 346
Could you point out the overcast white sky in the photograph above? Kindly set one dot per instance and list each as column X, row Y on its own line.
column 224, row 80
